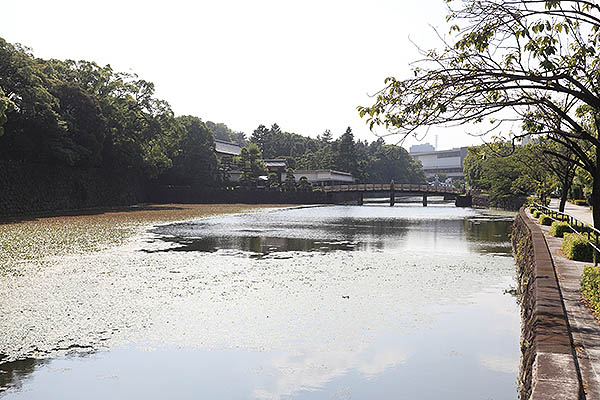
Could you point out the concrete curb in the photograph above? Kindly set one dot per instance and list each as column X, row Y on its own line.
column 555, row 370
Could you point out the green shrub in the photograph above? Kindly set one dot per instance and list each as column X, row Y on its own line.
column 536, row 214
column 558, row 229
column 545, row 220
column 576, row 247
column 580, row 202
column 531, row 209
column 590, row 287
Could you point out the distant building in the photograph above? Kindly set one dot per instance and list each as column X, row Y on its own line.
column 447, row 162
column 324, row 177
column 225, row 151
column 277, row 167
column 422, row 148
column 223, row 148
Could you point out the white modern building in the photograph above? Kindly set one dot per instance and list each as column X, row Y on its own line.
column 447, row 162
column 324, row 177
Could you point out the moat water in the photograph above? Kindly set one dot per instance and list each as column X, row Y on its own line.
column 337, row 302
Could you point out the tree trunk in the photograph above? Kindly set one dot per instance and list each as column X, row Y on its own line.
column 566, row 186
column 596, row 195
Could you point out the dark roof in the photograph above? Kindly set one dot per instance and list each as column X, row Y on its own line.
column 229, row 148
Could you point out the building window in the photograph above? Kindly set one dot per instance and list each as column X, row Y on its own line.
column 449, row 155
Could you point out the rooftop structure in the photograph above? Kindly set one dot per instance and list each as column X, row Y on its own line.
column 275, row 163
column 447, row 162
column 227, row 148
column 276, row 166
column 323, row 177
column 422, row 148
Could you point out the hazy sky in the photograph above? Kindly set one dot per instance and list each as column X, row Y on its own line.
column 305, row 65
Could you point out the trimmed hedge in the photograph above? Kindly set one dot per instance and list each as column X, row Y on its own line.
column 545, row 220
column 590, row 287
column 536, row 214
column 580, row 202
column 558, row 229
column 532, row 209
column 576, row 247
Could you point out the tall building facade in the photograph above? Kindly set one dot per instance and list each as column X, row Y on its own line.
column 446, row 162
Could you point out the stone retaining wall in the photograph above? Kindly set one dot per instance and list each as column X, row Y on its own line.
column 30, row 189
column 549, row 367
column 199, row 194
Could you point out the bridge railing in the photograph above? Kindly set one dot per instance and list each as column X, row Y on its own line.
column 384, row 187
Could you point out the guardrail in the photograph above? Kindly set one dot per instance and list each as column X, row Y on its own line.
column 574, row 223
column 386, row 187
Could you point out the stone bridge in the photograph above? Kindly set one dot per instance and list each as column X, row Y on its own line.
column 356, row 192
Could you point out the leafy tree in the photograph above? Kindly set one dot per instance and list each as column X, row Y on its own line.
column 84, row 126
column 238, row 137
column 393, row 163
column 326, row 137
column 273, row 181
column 195, row 161
column 224, row 173
column 6, row 106
column 346, row 157
column 223, row 132
column 259, row 137
column 304, row 185
column 544, row 152
column 528, row 60
column 252, row 166
column 289, row 185
column 505, row 171
column 32, row 128
column 374, row 162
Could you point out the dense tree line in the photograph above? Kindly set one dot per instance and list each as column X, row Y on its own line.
column 79, row 114
column 82, row 115
column 374, row 162
column 505, row 171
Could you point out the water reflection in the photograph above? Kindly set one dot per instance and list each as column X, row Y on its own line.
column 12, row 374
column 341, row 228
column 463, row 354
column 370, row 302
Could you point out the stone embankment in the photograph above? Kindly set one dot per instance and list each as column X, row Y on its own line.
column 29, row 189
column 549, row 365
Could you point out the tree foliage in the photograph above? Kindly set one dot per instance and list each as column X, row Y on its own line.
column 289, row 185
column 82, row 115
column 251, row 164
column 535, row 63
column 373, row 162
column 79, row 114
column 505, row 171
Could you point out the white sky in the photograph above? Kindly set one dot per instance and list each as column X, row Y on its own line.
column 305, row 65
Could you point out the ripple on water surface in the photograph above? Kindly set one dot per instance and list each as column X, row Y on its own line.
column 321, row 302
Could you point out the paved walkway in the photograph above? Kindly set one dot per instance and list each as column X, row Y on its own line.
column 582, row 213
column 584, row 327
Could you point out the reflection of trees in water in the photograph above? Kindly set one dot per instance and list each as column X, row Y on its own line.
column 487, row 230
column 338, row 234
column 13, row 373
column 481, row 235
column 488, row 236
